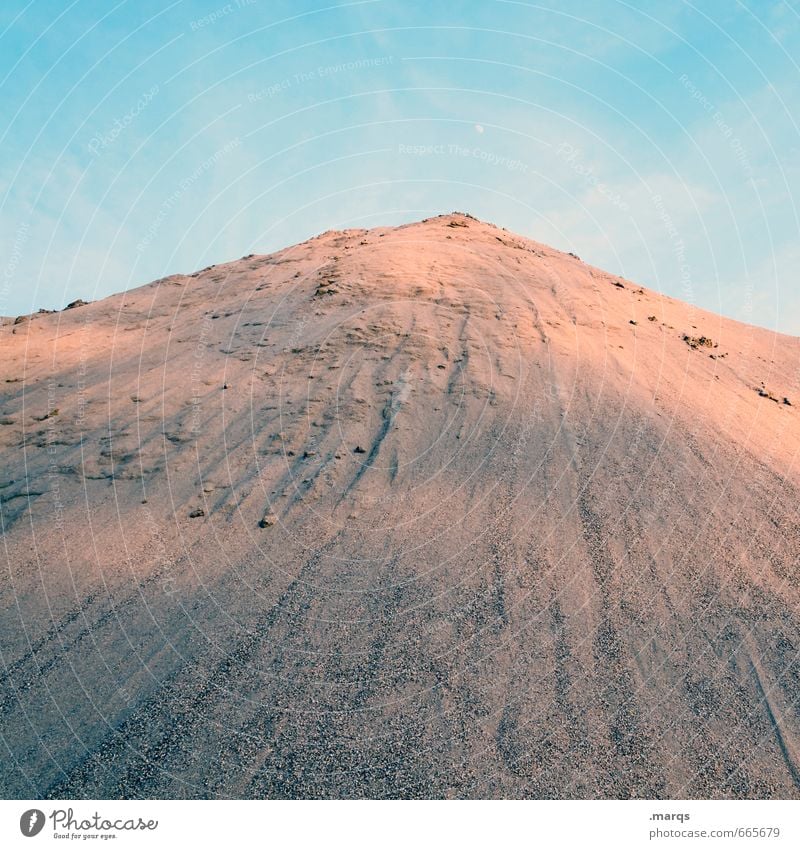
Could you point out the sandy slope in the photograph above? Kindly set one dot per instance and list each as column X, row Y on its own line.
column 467, row 531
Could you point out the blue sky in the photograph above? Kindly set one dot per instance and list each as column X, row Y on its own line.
column 657, row 140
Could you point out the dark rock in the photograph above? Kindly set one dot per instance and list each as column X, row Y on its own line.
column 698, row 341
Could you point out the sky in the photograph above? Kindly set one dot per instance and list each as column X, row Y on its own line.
column 659, row 141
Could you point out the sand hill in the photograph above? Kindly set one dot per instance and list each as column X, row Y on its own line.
column 432, row 510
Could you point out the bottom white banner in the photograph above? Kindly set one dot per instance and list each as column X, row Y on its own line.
column 377, row 823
